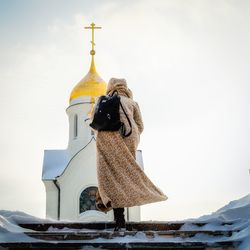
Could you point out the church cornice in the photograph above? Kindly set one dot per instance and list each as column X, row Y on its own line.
column 75, row 104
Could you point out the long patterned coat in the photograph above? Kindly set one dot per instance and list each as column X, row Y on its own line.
column 121, row 181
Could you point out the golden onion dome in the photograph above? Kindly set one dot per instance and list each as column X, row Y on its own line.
column 92, row 84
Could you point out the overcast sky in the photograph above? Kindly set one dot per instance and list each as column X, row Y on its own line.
column 187, row 63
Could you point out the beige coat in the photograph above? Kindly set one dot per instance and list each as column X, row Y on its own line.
column 121, row 180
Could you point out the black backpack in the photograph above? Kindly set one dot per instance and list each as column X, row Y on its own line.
column 107, row 115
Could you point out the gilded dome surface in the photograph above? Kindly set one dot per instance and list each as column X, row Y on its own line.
column 91, row 85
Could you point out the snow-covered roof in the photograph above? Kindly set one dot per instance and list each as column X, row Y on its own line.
column 56, row 161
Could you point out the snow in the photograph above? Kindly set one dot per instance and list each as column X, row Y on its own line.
column 54, row 163
column 237, row 212
column 9, row 229
column 233, row 216
column 238, row 209
column 15, row 217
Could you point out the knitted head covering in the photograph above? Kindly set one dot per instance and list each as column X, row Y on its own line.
column 120, row 85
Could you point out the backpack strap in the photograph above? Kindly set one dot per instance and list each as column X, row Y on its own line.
column 115, row 91
column 123, row 129
column 123, row 126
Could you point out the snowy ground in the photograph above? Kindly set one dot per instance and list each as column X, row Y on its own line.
column 237, row 211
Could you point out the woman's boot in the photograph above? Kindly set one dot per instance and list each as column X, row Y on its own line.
column 119, row 218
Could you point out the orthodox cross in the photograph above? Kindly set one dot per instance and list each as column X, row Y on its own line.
column 93, row 27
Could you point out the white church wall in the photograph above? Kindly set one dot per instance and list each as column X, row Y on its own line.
column 134, row 213
column 80, row 174
column 80, row 132
column 94, row 216
column 51, row 200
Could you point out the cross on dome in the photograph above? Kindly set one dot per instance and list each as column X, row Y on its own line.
column 92, row 85
column 92, row 27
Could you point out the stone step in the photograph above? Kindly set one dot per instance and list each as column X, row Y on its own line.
column 130, row 226
column 88, row 245
column 100, row 235
column 91, row 235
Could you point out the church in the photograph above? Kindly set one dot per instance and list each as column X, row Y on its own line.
column 69, row 175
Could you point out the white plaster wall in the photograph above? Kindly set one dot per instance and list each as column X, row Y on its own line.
column 134, row 213
column 51, row 200
column 80, row 174
column 84, row 131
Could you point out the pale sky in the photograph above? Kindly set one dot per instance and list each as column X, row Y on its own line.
column 187, row 63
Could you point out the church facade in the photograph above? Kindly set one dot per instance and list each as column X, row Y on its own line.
column 69, row 175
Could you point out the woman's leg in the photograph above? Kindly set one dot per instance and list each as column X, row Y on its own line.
column 119, row 218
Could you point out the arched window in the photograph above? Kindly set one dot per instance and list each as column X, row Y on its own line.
column 75, row 126
column 87, row 199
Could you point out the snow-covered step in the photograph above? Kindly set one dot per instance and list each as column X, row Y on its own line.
column 90, row 235
column 142, row 235
column 124, row 245
column 131, row 226
column 228, row 228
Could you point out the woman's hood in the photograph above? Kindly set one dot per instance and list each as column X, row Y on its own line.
column 120, row 85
